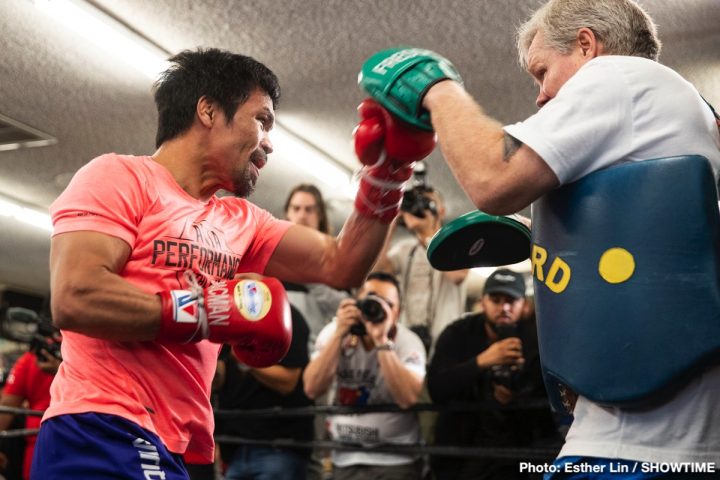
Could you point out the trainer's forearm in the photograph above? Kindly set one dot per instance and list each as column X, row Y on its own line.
column 471, row 142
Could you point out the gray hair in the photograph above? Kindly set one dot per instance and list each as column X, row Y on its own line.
column 622, row 26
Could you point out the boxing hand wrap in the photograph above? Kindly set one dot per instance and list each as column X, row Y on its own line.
column 388, row 149
column 251, row 315
column 380, row 198
column 399, row 78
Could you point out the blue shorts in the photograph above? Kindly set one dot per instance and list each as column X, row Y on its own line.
column 99, row 446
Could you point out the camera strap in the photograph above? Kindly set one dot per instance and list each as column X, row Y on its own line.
column 431, row 304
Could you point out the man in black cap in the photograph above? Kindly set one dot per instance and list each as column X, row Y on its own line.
column 490, row 358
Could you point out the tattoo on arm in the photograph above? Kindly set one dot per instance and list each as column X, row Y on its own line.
column 512, row 145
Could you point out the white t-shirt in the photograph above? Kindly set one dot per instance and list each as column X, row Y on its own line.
column 617, row 109
column 360, row 382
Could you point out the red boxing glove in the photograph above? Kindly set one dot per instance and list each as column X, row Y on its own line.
column 379, row 130
column 389, row 149
column 251, row 315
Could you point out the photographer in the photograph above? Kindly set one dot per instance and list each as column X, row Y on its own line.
column 241, row 387
column 490, row 357
column 29, row 381
column 372, row 360
column 432, row 298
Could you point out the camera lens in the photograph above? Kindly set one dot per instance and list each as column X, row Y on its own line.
column 412, row 203
column 371, row 310
column 415, row 202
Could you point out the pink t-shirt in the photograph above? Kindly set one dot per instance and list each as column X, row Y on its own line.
column 163, row 387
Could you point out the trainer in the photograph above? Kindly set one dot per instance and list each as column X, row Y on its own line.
column 605, row 102
column 144, row 263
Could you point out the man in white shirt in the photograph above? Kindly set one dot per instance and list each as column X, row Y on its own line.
column 371, row 360
column 604, row 101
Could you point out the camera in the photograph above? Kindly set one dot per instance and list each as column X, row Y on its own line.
column 27, row 326
column 414, row 200
column 505, row 375
column 372, row 310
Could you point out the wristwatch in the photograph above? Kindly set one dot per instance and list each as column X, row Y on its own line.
column 389, row 345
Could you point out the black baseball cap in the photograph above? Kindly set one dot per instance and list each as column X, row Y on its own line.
column 505, row 281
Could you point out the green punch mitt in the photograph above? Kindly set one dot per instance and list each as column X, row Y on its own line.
column 398, row 79
column 478, row 239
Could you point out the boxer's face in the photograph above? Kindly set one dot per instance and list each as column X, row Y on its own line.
column 551, row 69
column 243, row 144
column 502, row 309
column 303, row 210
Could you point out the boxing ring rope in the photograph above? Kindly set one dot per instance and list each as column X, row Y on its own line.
column 504, row 453
column 21, row 411
column 388, row 408
column 507, row 453
column 21, row 432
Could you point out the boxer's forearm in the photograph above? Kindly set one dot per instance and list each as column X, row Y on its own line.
column 359, row 243
column 107, row 307
column 305, row 255
column 89, row 296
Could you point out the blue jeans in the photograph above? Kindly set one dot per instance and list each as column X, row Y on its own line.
column 266, row 463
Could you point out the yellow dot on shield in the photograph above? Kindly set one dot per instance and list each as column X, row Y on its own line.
column 616, row 265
